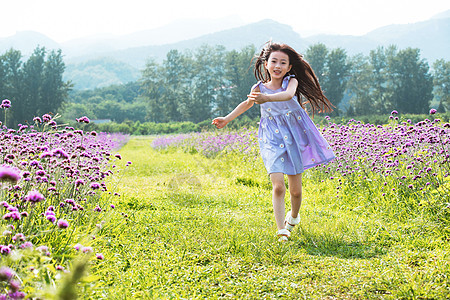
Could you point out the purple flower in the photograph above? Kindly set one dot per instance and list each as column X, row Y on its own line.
column 51, row 218
column 60, row 153
column 6, row 104
column 83, row 120
column 99, row 256
column 34, row 197
column 46, row 118
column 62, row 224
column 394, row 112
column 95, row 186
column 5, row 249
column 433, row 111
column 26, row 245
column 86, row 249
column 37, row 119
column 118, row 156
column 6, row 273
column 78, row 247
column 9, row 174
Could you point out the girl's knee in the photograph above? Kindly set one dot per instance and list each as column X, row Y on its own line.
column 296, row 193
column 279, row 189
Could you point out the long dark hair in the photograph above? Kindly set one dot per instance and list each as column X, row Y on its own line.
column 308, row 85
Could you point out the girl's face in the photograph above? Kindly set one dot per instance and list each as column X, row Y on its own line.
column 277, row 65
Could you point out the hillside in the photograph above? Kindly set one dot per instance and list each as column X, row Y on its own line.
column 87, row 66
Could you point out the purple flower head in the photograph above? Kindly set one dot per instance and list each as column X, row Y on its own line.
column 15, row 286
column 26, row 245
column 37, row 120
column 60, row 153
column 34, row 197
column 46, row 118
column 394, row 112
column 5, row 249
column 95, row 186
column 9, row 174
column 6, row 273
column 99, row 256
column 6, row 104
column 86, row 249
column 79, row 182
column 51, row 218
column 433, row 111
column 83, row 120
column 62, row 224
column 118, row 156
column 78, row 247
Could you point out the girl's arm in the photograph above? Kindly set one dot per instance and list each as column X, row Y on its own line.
column 220, row 122
column 286, row 95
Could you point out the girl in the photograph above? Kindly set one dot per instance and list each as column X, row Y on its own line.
column 289, row 141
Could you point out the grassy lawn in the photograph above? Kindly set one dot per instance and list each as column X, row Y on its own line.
column 190, row 227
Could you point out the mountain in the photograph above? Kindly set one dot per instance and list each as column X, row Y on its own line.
column 88, row 59
column 26, row 42
column 171, row 33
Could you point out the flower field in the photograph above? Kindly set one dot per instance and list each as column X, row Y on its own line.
column 400, row 169
column 53, row 181
column 191, row 218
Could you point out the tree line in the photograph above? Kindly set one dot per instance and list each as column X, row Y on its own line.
column 197, row 85
column 34, row 87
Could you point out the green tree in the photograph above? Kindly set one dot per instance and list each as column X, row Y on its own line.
column 410, row 82
column 336, row 76
column 317, row 57
column 12, row 84
column 360, row 86
column 151, row 91
column 441, row 82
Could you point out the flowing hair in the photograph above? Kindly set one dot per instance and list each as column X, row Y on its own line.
column 308, row 85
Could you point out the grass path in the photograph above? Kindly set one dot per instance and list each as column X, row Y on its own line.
column 185, row 227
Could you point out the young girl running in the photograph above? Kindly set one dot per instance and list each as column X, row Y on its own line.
column 289, row 141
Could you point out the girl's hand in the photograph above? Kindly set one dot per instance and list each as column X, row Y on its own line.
column 219, row 122
column 258, row 97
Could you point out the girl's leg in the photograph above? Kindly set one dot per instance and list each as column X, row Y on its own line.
column 295, row 190
column 278, row 193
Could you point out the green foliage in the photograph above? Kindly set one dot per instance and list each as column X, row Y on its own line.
column 35, row 87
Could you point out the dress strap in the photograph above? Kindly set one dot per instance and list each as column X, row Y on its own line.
column 285, row 82
column 256, row 85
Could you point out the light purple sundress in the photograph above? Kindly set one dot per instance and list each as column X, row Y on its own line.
column 289, row 141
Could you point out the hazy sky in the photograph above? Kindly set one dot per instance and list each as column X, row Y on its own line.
column 63, row 20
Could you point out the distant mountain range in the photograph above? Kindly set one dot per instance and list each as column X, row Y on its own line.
column 93, row 56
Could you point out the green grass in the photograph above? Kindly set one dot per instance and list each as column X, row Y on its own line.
column 188, row 227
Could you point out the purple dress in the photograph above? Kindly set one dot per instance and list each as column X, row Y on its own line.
column 289, row 141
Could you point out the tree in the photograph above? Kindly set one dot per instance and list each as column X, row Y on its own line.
column 151, row 90
column 441, row 82
column 336, row 76
column 317, row 57
column 12, row 84
column 410, row 82
column 359, row 86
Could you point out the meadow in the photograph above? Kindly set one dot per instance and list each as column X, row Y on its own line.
column 189, row 216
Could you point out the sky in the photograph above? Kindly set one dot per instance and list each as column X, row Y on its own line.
column 63, row 20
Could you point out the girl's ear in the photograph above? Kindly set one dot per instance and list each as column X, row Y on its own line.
column 290, row 67
column 265, row 64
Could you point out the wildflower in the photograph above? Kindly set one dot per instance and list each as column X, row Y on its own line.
column 34, row 197
column 5, row 249
column 37, row 120
column 86, row 249
column 97, row 208
column 46, row 118
column 6, row 274
column 5, row 104
column 51, row 218
column 59, row 267
column 63, row 224
column 118, row 156
column 113, row 206
column 60, row 153
column 26, row 245
column 83, row 120
column 78, row 247
column 433, row 111
column 99, row 256
column 95, row 186
column 394, row 112
column 9, row 174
